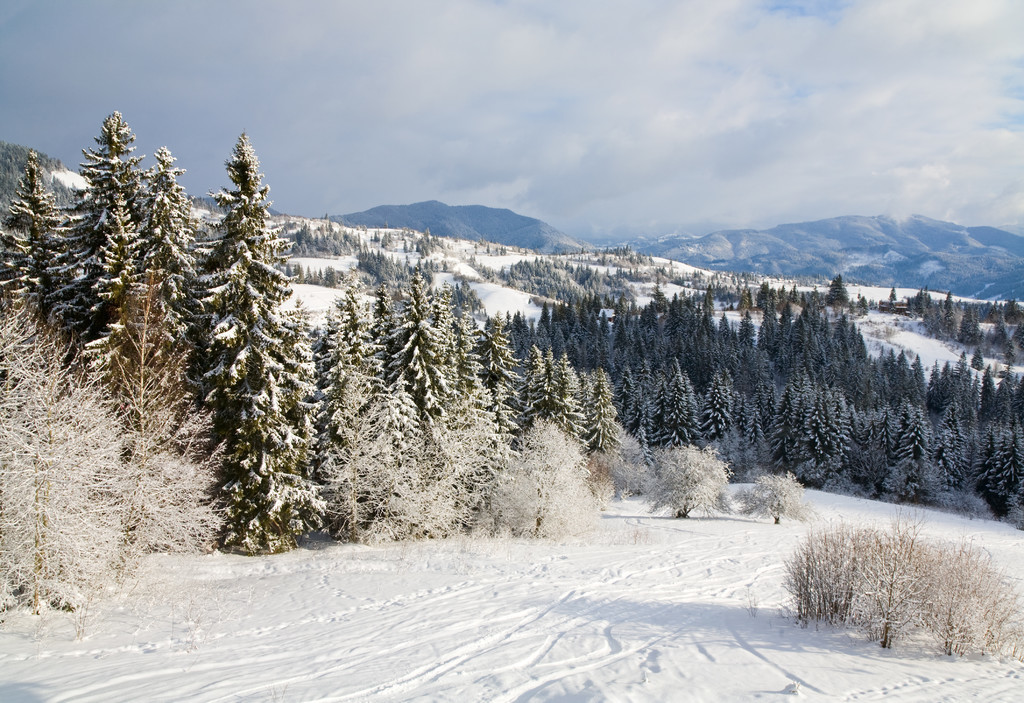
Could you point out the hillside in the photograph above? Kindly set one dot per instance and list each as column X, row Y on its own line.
column 12, row 166
column 913, row 252
column 645, row 608
column 472, row 222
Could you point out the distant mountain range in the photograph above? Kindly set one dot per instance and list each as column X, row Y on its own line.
column 915, row 251
column 473, row 222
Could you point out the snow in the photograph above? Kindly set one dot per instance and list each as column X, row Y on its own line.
column 646, row 608
column 884, row 331
column 497, row 299
column 316, row 300
column 70, row 179
column 339, row 263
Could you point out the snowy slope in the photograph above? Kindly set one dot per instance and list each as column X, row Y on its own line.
column 644, row 609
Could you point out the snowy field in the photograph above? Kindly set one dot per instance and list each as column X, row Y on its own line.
column 644, row 609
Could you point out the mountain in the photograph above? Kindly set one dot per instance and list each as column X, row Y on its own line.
column 473, row 222
column 12, row 167
column 916, row 251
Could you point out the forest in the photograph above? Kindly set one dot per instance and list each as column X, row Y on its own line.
column 160, row 396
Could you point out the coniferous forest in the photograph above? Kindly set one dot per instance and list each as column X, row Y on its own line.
column 159, row 395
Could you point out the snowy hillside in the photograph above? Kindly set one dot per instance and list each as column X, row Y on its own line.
column 646, row 608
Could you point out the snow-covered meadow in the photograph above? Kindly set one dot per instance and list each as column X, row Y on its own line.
column 645, row 608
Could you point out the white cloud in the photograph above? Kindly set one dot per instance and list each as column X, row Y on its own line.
column 737, row 112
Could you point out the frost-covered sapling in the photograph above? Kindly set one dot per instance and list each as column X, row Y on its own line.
column 545, row 494
column 777, row 497
column 688, row 479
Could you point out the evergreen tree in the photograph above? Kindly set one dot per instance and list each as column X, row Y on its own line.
column 716, row 417
column 564, row 400
column 167, row 237
column 837, row 293
column 113, row 179
column 258, row 371
column 679, row 420
column 499, row 373
column 535, row 390
column 28, row 240
column 419, row 351
column 951, row 449
column 912, row 478
column 602, row 434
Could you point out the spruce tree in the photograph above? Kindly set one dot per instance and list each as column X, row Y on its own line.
column 679, row 420
column 602, row 434
column 499, row 373
column 716, row 417
column 564, row 400
column 167, row 237
column 113, row 178
column 259, row 371
column 28, row 239
column 419, row 352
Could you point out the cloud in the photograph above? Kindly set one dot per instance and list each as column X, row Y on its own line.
column 591, row 115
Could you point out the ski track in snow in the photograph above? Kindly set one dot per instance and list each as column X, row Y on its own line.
column 646, row 608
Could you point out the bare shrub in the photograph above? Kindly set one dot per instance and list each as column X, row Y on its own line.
column 823, row 574
column 776, row 497
column 688, row 479
column 971, row 608
column 895, row 579
column 599, row 478
column 892, row 583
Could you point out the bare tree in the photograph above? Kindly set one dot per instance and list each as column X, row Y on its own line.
column 688, row 479
column 59, row 463
column 545, row 493
column 778, row 496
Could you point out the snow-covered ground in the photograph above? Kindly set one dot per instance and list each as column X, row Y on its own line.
column 497, row 299
column 644, row 609
column 883, row 331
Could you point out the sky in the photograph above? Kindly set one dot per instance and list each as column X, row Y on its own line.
column 605, row 119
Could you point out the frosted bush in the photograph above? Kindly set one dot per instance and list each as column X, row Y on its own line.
column 629, row 470
column 894, row 584
column 59, row 461
column 545, row 493
column 777, row 497
column 688, row 479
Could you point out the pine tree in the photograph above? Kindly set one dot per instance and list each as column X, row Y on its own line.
column 951, row 448
column 564, row 400
column 603, row 430
column 679, row 420
column 167, row 237
column 258, row 372
column 787, row 430
column 837, row 293
column 716, row 417
column 536, row 388
column 419, row 351
column 28, row 240
column 499, row 373
column 113, row 178
column 912, row 478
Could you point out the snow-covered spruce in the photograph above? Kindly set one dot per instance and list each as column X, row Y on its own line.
column 258, row 371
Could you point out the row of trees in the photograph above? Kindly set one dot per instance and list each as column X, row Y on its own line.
column 799, row 392
column 406, row 422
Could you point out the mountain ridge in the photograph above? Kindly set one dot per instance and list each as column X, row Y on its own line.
column 472, row 222
column 914, row 251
